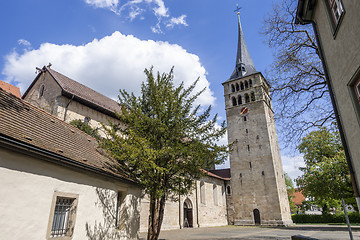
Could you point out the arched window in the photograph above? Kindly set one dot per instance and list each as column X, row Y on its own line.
column 252, row 96
column 215, row 195
column 228, row 190
column 202, row 192
column 41, row 91
column 247, row 98
column 237, row 87
column 233, row 101
column 239, row 100
column 232, row 88
column 250, row 83
column 246, row 85
column 241, row 86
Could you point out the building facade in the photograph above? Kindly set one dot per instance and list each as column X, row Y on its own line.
column 336, row 24
column 257, row 180
column 55, row 183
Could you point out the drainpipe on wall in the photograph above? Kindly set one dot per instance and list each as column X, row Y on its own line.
column 338, row 120
column 226, row 204
column 197, row 205
column 180, row 212
column 67, row 105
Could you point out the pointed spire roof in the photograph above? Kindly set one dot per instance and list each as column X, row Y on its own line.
column 244, row 65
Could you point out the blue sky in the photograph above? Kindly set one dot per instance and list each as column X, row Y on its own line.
column 106, row 44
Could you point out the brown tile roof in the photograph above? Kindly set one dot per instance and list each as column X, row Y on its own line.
column 214, row 175
column 29, row 125
column 224, row 173
column 10, row 88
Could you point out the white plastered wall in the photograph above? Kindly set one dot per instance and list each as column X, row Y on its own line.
column 27, row 188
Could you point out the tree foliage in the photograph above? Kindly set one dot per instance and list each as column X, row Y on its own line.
column 296, row 76
column 86, row 128
column 326, row 177
column 290, row 189
column 166, row 141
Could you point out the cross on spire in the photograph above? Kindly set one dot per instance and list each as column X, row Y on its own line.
column 237, row 8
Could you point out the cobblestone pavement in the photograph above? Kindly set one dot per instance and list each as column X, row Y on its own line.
column 329, row 232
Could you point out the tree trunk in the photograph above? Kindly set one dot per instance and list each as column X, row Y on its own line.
column 156, row 217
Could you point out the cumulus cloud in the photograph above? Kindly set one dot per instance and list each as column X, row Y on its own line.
column 108, row 64
column 291, row 165
column 109, row 4
column 177, row 21
column 132, row 9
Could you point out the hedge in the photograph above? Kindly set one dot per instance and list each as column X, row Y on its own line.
column 354, row 217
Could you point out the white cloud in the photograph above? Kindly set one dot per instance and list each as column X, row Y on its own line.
column 24, row 42
column 291, row 165
column 132, row 9
column 108, row 64
column 177, row 21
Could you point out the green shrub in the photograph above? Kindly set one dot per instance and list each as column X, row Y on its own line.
column 354, row 217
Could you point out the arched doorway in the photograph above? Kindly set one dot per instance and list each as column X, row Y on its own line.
column 257, row 216
column 188, row 215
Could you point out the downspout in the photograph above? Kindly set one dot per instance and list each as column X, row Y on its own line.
column 67, row 105
column 180, row 211
column 338, row 120
column 197, row 205
column 226, row 203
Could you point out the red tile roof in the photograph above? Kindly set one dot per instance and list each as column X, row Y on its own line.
column 32, row 126
column 10, row 88
column 298, row 197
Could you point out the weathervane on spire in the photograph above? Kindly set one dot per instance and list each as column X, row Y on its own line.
column 237, row 9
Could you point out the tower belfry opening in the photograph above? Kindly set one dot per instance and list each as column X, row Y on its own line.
column 248, row 116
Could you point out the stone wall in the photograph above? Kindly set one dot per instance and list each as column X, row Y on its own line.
column 257, row 179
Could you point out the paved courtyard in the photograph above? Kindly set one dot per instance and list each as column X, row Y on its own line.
column 335, row 232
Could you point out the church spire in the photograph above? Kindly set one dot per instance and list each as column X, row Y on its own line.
column 244, row 65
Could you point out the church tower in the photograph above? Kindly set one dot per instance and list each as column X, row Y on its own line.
column 258, row 195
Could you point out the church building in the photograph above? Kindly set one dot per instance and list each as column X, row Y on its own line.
column 251, row 192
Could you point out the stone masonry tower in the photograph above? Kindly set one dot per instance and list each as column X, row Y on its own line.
column 258, row 193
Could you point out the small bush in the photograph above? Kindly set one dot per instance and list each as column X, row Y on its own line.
column 354, row 217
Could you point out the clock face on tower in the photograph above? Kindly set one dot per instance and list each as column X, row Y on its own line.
column 244, row 111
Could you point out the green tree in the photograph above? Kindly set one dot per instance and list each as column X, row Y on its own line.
column 297, row 77
column 86, row 128
column 290, row 189
column 326, row 177
column 166, row 141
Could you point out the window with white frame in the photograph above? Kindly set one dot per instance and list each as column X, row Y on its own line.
column 336, row 11
column 62, row 216
column 357, row 90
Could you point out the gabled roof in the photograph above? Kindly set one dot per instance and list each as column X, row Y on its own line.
column 10, row 88
column 81, row 93
column 23, row 126
column 298, row 197
column 244, row 65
